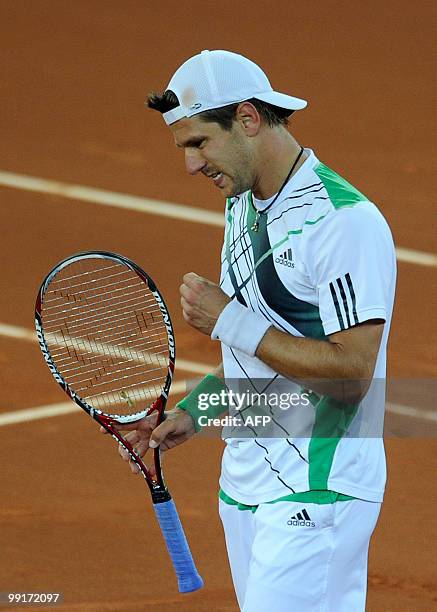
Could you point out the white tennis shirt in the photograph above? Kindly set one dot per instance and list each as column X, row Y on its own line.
column 322, row 261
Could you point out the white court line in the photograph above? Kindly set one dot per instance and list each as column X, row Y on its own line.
column 416, row 257
column 415, row 413
column 21, row 333
column 51, row 410
column 153, row 207
column 111, row 198
column 40, row 412
column 101, row 348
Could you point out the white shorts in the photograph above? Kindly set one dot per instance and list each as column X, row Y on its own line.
column 300, row 557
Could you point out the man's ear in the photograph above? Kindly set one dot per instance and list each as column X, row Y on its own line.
column 249, row 118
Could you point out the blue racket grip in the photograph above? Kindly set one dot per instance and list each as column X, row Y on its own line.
column 177, row 546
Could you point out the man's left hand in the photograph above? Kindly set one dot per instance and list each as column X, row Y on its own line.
column 202, row 302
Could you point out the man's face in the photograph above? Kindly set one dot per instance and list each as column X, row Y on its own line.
column 226, row 157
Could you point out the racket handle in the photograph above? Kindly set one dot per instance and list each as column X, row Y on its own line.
column 177, row 546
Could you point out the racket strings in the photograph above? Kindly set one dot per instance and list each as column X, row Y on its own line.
column 123, row 370
column 121, row 278
column 62, row 339
column 106, row 334
column 94, row 272
column 83, row 298
column 97, row 314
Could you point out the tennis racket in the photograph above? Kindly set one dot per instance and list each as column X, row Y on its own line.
column 107, row 338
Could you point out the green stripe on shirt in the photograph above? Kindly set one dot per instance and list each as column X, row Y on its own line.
column 341, row 193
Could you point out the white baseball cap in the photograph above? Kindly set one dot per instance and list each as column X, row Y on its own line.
column 213, row 79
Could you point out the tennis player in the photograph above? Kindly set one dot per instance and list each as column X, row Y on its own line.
column 306, row 294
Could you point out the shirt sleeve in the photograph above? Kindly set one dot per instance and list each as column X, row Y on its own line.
column 351, row 261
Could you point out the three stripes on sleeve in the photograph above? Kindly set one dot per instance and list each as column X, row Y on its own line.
column 342, row 291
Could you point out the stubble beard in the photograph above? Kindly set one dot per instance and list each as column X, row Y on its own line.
column 243, row 177
column 242, row 181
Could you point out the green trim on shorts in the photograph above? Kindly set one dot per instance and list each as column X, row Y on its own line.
column 231, row 502
column 306, row 497
column 315, row 497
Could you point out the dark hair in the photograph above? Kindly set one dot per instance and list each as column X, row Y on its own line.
column 225, row 115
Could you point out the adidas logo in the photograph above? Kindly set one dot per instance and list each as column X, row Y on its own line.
column 286, row 259
column 301, row 519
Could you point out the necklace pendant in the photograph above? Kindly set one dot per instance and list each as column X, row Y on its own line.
column 255, row 226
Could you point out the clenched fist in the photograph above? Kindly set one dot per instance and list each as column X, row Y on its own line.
column 202, row 302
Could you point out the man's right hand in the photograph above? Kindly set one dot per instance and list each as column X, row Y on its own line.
column 144, row 434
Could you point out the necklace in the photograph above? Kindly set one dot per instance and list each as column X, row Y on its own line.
column 255, row 226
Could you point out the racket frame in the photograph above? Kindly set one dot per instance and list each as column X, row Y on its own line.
column 187, row 575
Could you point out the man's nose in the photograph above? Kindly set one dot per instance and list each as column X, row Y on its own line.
column 193, row 161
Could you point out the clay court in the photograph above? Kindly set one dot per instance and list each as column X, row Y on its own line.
column 74, row 78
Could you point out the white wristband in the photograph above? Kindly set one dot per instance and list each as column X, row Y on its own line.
column 241, row 328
